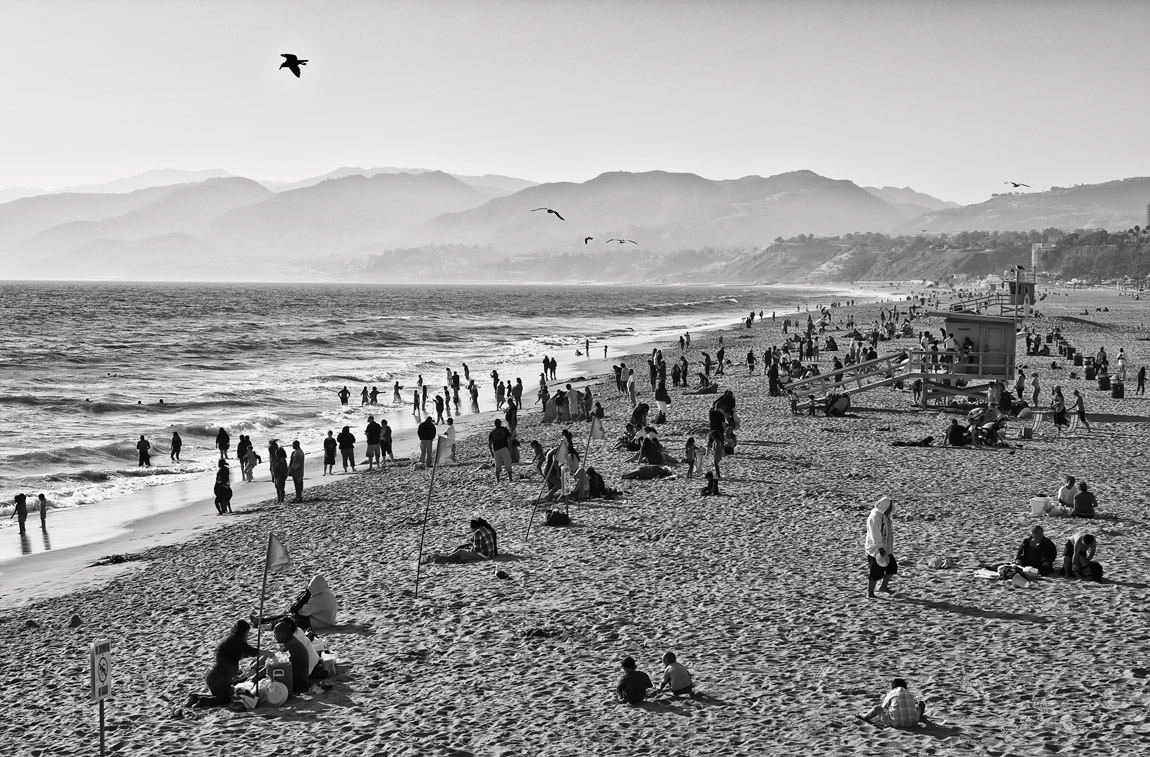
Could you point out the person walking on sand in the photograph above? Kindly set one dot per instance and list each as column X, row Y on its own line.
column 415, row 403
column 346, row 441
column 177, row 444
column 449, row 438
column 280, row 474
column 879, row 546
column 223, row 488
column 426, row 434
column 1080, row 409
column 43, row 505
column 273, row 449
column 498, row 441
column 898, row 709
column 142, row 447
column 1036, row 389
column 1142, row 380
column 295, row 470
column 631, row 391
column 344, row 395
column 20, row 513
column 385, row 445
column 329, row 448
column 373, row 432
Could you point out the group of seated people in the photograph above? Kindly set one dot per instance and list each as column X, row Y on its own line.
column 1040, row 553
column 294, row 632
column 983, row 429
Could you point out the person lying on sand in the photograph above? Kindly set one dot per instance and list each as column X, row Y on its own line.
column 898, row 708
column 481, row 547
column 633, row 685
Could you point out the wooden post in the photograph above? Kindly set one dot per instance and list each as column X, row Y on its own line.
column 101, row 728
column 426, row 513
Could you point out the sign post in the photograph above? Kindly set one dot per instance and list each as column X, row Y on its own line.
column 100, row 654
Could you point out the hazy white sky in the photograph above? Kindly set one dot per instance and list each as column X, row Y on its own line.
column 949, row 97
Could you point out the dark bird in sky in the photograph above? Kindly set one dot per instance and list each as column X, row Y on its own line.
column 552, row 212
column 587, row 239
column 292, row 63
column 622, row 241
column 1016, row 184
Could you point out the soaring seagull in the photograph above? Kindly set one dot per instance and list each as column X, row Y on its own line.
column 622, row 241
column 1016, row 185
column 292, row 63
column 587, row 239
column 552, row 212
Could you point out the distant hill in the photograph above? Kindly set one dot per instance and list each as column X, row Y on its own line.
column 338, row 216
column 15, row 193
column 25, row 217
column 490, row 184
column 182, row 209
column 1113, row 205
column 662, row 211
column 164, row 177
column 910, row 203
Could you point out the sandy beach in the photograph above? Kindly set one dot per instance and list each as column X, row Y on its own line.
column 760, row 592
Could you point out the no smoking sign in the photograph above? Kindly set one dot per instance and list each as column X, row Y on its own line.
column 101, row 656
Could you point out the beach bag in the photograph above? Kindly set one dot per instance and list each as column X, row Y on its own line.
column 272, row 692
column 557, row 518
column 660, row 418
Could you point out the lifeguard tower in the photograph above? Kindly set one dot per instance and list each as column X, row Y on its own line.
column 1014, row 297
column 984, row 354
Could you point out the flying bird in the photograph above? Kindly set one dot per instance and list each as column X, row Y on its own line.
column 1016, row 184
column 587, row 239
column 552, row 212
column 292, row 63
column 622, row 241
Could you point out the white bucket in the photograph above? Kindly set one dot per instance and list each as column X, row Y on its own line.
column 1038, row 505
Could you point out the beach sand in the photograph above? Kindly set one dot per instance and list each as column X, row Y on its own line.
column 760, row 593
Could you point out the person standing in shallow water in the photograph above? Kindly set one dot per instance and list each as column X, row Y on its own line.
column 177, row 444
column 142, row 447
column 223, row 442
column 344, row 396
column 21, row 512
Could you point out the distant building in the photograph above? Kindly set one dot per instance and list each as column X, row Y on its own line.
column 1036, row 251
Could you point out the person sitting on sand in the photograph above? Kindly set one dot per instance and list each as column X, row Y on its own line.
column 481, row 547
column 879, row 545
column 225, row 672
column 314, row 608
column 1078, row 557
column 628, row 441
column 898, row 708
column 300, row 671
column 633, row 685
column 675, row 677
column 1038, row 552
column 1084, row 502
column 1066, row 493
column 711, row 489
column 957, row 435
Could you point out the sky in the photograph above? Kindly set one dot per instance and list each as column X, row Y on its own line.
column 950, row 97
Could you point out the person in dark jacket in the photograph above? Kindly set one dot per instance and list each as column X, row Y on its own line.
column 223, row 442
column 1037, row 551
column 346, row 441
column 226, row 670
column 426, row 433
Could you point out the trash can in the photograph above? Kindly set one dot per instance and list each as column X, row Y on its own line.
column 1090, row 372
column 1049, row 338
column 1117, row 390
column 1104, row 381
column 1078, row 361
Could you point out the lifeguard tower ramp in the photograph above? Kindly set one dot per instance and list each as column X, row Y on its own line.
column 1013, row 299
column 943, row 374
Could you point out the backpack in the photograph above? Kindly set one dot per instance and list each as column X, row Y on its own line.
column 557, row 518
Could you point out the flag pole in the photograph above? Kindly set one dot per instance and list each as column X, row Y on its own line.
column 535, row 504
column 263, row 591
column 426, row 512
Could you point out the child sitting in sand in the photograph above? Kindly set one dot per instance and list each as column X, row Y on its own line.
column 675, row 677
column 712, row 487
column 898, row 708
column 632, row 687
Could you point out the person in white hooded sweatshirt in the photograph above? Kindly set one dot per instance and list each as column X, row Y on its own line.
column 879, row 546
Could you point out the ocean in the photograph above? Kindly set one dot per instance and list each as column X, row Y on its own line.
column 89, row 367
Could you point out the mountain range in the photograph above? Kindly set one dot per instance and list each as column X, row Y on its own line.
column 212, row 225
